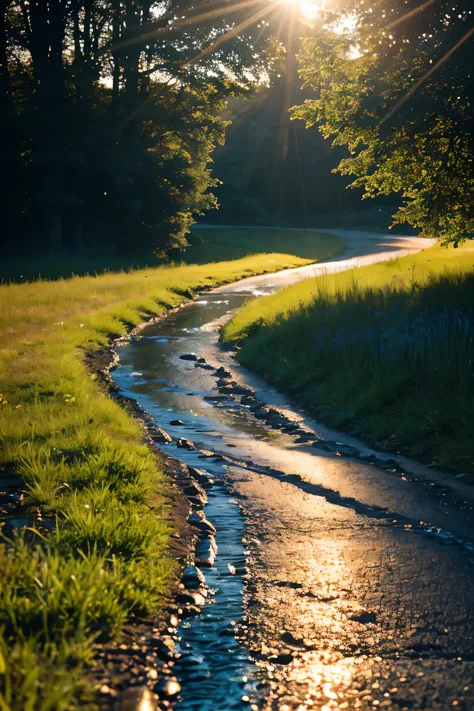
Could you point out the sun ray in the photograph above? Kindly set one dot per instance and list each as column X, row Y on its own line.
column 426, row 76
column 234, row 31
column 411, row 14
column 192, row 20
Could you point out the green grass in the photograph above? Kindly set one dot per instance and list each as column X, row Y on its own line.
column 95, row 553
column 206, row 245
column 384, row 352
column 220, row 244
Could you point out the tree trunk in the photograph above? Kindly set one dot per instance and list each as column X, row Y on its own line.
column 116, row 27
column 47, row 21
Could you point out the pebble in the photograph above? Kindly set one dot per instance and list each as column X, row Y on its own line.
column 189, row 356
column 167, row 687
column 138, row 698
column 189, row 598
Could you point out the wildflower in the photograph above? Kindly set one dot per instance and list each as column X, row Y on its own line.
column 17, row 407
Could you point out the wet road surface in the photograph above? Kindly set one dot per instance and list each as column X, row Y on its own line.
column 355, row 578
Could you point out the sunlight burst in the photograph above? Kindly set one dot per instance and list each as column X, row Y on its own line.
column 309, row 10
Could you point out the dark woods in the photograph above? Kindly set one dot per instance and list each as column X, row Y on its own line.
column 110, row 110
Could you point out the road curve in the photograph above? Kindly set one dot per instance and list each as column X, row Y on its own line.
column 360, row 585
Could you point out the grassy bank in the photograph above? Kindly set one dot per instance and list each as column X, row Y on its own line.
column 94, row 553
column 384, row 352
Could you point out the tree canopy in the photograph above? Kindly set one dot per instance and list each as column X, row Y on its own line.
column 109, row 113
column 397, row 92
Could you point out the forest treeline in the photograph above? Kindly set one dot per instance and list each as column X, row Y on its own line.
column 113, row 115
column 109, row 113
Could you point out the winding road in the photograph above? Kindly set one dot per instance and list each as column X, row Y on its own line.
column 344, row 577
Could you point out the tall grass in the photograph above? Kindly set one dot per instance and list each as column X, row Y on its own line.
column 94, row 553
column 384, row 352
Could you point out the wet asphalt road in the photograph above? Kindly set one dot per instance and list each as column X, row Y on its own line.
column 360, row 591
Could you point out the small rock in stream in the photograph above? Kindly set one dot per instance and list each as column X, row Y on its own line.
column 163, row 646
column 304, row 438
column 176, row 423
column 260, row 413
column 194, row 491
column 237, row 570
column 189, row 356
column 235, row 389
column 160, row 435
column 222, row 373
column 321, row 445
column 199, row 520
column 201, row 477
column 189, row 598
column 185, row 444
column 277, row 421
column 205, row 366
column 206, row 552
column 193, row 577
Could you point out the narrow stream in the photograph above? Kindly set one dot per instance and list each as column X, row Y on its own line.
column 214, row 670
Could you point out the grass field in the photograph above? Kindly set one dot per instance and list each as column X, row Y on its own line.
column 94, row 554
column 384, row 352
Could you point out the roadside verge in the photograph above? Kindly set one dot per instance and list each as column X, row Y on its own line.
column 383, row 352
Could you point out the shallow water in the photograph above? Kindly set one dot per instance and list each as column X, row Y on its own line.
column 214, row 670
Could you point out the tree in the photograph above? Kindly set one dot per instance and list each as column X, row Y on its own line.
column 402, row 105
column 110, row 111
column 272, row 170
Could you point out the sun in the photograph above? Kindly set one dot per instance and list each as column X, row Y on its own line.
column 309, row 10
column 347, row 24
